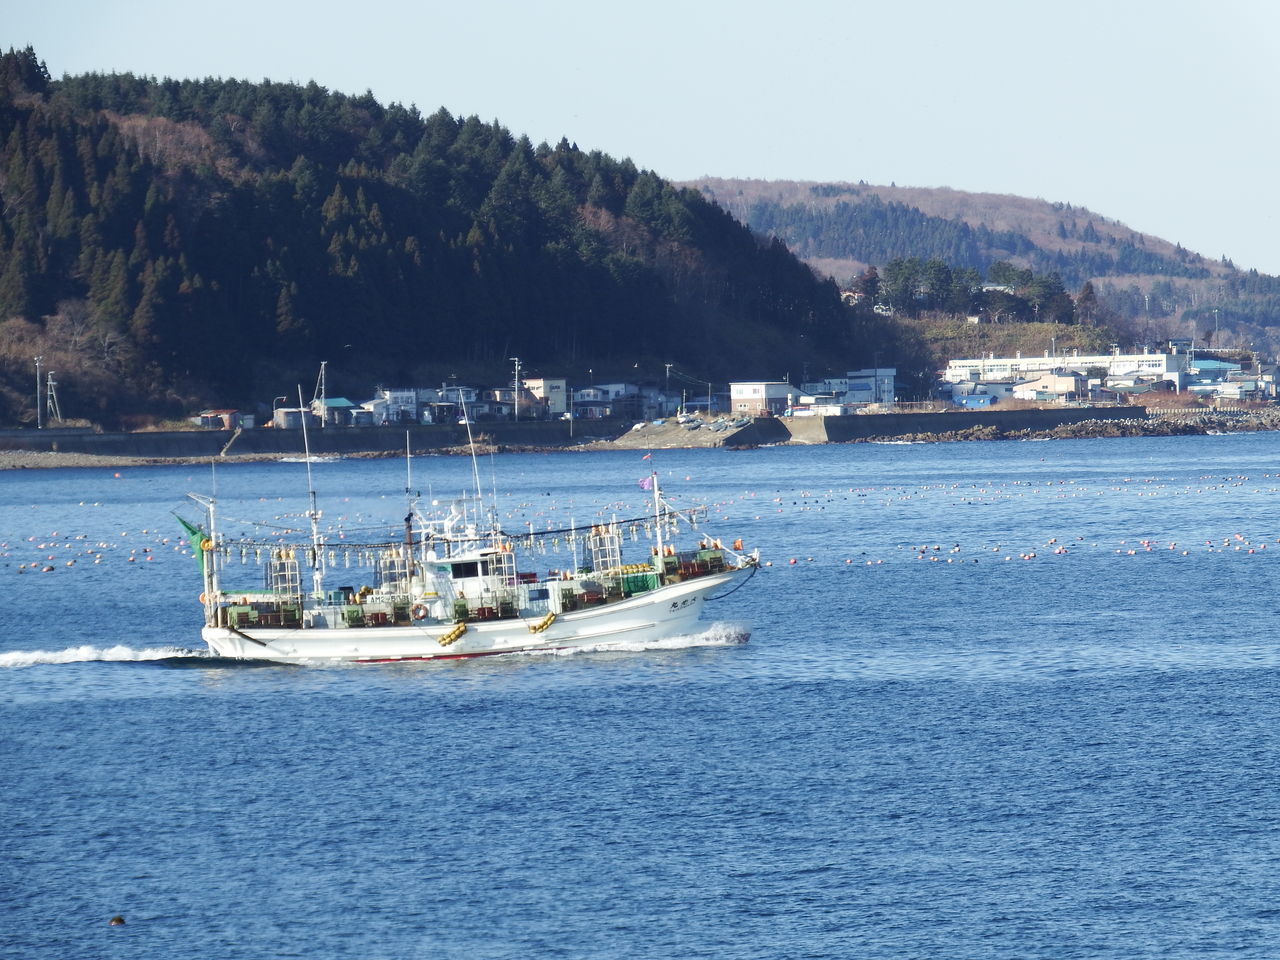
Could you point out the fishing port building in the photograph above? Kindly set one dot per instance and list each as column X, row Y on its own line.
column 1171, row 366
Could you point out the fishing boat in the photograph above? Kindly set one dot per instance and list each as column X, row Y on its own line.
column 457, row 585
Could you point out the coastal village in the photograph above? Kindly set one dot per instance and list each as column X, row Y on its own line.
column 978, row 383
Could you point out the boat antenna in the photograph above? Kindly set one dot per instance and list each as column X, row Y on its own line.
column 657, row 511
column 493, row 481
column 471, row 444
column 317, row 570
column 408, row 469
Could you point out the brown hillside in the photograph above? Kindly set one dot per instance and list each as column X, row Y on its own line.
column 1036, row 219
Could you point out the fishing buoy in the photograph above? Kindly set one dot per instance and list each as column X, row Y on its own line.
column 117, row 920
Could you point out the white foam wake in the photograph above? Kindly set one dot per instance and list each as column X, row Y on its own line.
column 721, row 634
column 87, row 653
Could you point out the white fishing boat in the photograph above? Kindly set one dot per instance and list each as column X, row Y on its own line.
column 452, row 586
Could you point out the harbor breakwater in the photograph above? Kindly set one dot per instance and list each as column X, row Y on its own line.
column 892, row 425
column 957, row 425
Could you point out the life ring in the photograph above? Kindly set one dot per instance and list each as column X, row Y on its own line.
column 419, row 611
column 203, row 599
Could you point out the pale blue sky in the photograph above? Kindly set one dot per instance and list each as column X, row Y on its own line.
column 1159, row 113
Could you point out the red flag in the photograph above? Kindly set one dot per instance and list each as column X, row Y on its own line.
column 647, row 456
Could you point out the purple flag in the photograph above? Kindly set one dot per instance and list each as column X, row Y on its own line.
column 646, row 483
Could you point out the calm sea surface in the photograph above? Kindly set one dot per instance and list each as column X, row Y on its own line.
column 1010, row 700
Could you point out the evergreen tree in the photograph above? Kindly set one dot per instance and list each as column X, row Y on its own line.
column 1087, row 303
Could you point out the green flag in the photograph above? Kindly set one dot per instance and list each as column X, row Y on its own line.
column 197, row 538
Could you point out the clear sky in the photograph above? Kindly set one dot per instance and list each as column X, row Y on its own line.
column 1159, row 113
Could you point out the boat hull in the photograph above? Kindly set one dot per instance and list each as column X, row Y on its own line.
column 669, row 611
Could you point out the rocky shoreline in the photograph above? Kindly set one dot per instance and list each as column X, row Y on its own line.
column 1198, row 424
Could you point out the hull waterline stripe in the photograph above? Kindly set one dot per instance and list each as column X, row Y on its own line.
column 460, row 656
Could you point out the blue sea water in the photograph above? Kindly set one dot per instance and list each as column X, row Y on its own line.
column 1010, row 700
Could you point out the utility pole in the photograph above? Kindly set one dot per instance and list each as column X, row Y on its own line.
column 39, row 406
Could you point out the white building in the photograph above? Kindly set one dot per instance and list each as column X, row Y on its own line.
column 761, row 398
column 872, row 385
column 394, row 405
column 1053, row 386
column 1149, row 366
column 552, row 392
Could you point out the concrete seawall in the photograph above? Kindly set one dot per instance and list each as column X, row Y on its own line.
column 844, row 429
column 548, row 435
column 777, row 430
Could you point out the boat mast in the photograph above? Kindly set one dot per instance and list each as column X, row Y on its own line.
column 471, row 444
column 411, row 563
column 657, row 512
column 318, row 398
column 408, row 499
column 475, row 470
column 208, row 563
column 317, row 567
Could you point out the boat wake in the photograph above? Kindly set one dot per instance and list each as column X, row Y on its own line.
column 721, row 634
column 89, row 654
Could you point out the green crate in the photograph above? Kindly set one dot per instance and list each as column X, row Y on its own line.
column 634, row 583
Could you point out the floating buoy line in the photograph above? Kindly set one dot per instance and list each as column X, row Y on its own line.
column 539, row 528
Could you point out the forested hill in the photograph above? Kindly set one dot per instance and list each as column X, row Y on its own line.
column 167, row 244
column 1149, row 288
column 861, row 224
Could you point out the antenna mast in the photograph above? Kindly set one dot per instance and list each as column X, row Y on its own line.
column 51, row 398
column 318, row 397
column 317, row 568
column 471, row 443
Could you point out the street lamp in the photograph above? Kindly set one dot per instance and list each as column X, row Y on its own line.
column 273, row 408
column 515, row 394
